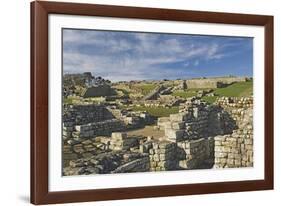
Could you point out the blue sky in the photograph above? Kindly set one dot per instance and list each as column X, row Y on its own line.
column 137, row 56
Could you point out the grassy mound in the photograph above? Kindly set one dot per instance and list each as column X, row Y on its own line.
column 239, row 89
column 146, row 88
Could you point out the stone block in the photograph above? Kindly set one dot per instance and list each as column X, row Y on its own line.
column 248, row 141
column 119, row 135
column 237, row 162
column 178, row 125
column 220, row 154
column 230, row 162
column 174, row 135
column 219, row 138
column 179, row 117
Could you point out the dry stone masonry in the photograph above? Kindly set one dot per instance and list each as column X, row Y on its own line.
column 163, row 156
column 85, row 121
column 200, row 136
column 120, row 141
column 216, row 82
column 236, row 149
column 194, row 154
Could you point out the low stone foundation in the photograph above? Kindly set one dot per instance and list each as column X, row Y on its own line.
column 98, row 128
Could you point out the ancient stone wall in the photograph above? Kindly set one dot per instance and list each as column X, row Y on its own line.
column 194, row 154
column 236, row 149
column 99, row 155
column 120, row 141
column 213, row 82
column 84, row 114
column 77, row 149
column 163, row 156
column 87, row 121
column 105, row 127
column 197, row 120
column 194, row 129
column 98, row 91
column 200, row 136
column 201, row 83
column 132, row 119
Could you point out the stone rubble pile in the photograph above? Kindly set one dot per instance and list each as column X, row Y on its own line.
column 140, row 164
column 109, row 162
column 99, row 164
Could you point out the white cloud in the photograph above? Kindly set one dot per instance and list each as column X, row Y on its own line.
column 119, row 56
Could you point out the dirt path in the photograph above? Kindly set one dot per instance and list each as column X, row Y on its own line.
column 147, row 131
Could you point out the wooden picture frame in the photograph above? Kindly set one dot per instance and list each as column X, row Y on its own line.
column 40, row 106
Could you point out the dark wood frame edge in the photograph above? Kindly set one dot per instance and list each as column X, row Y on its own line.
column 39, row 102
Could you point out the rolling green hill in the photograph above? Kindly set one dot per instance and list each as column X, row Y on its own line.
column 239, row 89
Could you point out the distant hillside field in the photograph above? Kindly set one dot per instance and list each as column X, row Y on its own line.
column 145, row 88
column 239, row 89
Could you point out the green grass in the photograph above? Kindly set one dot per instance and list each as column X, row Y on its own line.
column 210, row 99
column 184, row 94
column 239, row 89
column 67, row 100
column 146, row 88
column 125, row 92
column 158, row 111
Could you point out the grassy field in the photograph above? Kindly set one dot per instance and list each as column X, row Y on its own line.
column 239, row 89
column 185, row 94
column 210, row 99
column 68, row 100
column 146, row 88
column 158, row 111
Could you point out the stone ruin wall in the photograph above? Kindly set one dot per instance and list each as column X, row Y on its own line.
column 213, row 82
column 236, row 149
column 115, row 154
column 194, row 154
column 163, row 156
column 201, row 83
column 200, row 136
column 84, row 121
column 193, row 131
